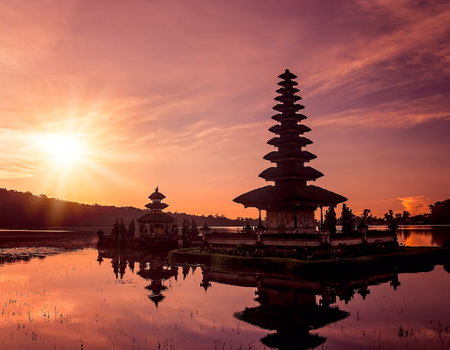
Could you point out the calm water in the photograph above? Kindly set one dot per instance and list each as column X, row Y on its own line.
column 53, row 298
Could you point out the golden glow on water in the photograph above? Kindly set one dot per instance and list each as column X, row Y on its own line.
column 70, row 301
column 417, row 240
column 67, row 300
column 423, row 235
column 420, row 241
column 411, row 317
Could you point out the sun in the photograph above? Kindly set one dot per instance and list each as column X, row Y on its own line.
column 61, row 149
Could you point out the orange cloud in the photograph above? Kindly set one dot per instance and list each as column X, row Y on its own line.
column 416, row 205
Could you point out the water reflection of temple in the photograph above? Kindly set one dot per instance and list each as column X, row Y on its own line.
column 291, row 309
column 157, row 272
column 154, row 268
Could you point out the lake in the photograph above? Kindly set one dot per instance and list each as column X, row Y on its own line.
column 58, row 297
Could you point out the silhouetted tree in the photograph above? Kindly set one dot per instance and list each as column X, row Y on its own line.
column 365, row 214
column 406, row 215
column 116, row 231
column 194, row 228
column 440, row 212
column 330, row 220
column 185, row 229
column 174, row 229
column 389, row 216
column 348, row 219
column 122, row 229
column 131, row 228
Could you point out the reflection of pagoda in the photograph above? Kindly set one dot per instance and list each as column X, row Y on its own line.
column 156, row 219
column 157, row 272
column 290, row 309
column 292, row 325
column 291, row 202
column 292, row 314
column 153, row 267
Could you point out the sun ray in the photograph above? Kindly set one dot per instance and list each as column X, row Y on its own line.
column 63, row 150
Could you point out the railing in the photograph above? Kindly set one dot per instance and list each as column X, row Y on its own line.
column 297, row 240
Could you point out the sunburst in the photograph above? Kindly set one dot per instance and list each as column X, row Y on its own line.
column 62, row 150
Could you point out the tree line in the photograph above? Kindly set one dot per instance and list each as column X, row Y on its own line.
column 439, row 215
column 26, row 210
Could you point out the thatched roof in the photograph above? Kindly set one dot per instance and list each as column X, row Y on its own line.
column 273, row 197
column 297, row 319
column 296, row 141
column 287, row 75
column 289, row 116
column 299, row 172
column 157, row 205
column 297, row 128
column 157, row 195
column 277, row 156
column 156, row 218
column 290, row 174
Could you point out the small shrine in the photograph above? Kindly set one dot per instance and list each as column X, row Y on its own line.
column 155, row 221
column 290, row 203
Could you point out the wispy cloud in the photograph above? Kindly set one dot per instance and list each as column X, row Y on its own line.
column 156, row 84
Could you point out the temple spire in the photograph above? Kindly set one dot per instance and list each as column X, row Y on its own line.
column 290, row 203
column 290, row 156
column 156, row 206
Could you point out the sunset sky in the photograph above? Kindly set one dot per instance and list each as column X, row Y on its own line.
column 102, row 101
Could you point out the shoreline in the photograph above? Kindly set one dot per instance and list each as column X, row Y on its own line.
column 406, row 260
column 68, row 237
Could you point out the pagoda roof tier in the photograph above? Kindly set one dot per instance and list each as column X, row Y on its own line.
column 157, row 274
column 288, row 107
column 297, row 128
column 300, row 173
column 287, row 83
column 287, row 75
column 290, row 174
column 303, row 318
column 156, row 218
column 303, row 341
column 278, row 156
column 270, row 197
column 287, row 97
column 289, row 116
column 287, row 90
column 156, row 195
column 298, row 140
column 156, row 206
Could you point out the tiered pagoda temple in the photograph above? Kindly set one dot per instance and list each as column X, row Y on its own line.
column 156, row 219
column 290, row 203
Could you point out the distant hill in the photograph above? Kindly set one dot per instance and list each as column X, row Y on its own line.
column 26, row 210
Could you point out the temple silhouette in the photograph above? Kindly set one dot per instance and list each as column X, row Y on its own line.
column 157, row 230
column 290, row 203
column 155, row 221
column 294, row 310
column 154, row 268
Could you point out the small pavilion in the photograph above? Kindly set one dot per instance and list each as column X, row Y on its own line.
column 155, row 220
column 290, row 203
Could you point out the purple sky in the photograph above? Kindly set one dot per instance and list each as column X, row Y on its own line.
column 179, row 94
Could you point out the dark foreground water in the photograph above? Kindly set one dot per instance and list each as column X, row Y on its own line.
column 54, row 298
